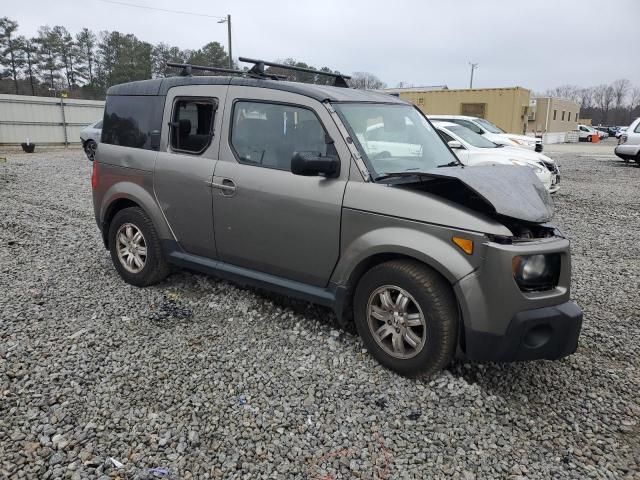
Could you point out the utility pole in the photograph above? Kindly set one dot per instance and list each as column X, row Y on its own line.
column 228, row 22
column 473, row 67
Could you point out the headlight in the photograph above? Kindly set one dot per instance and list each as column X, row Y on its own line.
column 536, row 272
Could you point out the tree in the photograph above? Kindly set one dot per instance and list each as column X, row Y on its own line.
column 86, row 42
column 211, row 55
column 9, row 48
column 67, row 51
column 28, row 51
column 586, row 98
column 603, row 96
column 366, row 81
column 620, row 90
column 161, row 54
column 47, row 57
column 568, row 92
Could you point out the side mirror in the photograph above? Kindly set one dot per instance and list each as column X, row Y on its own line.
column 454, row 144
column 310, row 164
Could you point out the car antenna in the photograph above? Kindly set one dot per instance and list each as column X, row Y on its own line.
column 258, row 70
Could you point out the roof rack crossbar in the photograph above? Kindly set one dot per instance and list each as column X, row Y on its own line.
column 187, row 68
column 258, row 69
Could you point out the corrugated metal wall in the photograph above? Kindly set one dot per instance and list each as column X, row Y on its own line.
column 45, row 120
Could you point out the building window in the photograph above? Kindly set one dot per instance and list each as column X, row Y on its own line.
column 569, row 117
column 473, row 109
column 563, row 115
column 555, row 114
column 420, row 101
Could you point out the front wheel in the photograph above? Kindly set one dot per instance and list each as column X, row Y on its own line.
column 135, row 248
column 407, row 317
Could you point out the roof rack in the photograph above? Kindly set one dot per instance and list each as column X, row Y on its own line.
column 258, row 71
column 187, row 68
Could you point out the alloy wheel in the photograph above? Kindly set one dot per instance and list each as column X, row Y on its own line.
column 396, row 322
column 131, row 247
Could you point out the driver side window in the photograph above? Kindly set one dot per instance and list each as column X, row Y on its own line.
column 470, row 125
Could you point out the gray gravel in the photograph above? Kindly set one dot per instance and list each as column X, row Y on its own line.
column 197, row 378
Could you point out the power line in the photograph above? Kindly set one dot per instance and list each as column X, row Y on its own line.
column 166, row 10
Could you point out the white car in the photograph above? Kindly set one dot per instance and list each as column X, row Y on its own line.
column 474, row 149
column 492, row 132
column 621, row 131
column 90, row 137
column 587, row 132
column 629, row 146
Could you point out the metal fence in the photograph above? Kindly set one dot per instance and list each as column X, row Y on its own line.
column 45, row 120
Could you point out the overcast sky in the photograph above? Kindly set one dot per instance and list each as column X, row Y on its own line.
column 534, row 44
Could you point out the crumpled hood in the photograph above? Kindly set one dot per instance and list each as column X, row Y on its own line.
column 506, row 190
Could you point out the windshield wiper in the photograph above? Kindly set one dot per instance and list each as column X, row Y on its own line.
column 404, row 174
column 451, row 164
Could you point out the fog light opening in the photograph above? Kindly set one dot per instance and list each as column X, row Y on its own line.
column 537, row 336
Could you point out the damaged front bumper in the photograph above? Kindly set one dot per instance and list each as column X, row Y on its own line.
column 503, row 323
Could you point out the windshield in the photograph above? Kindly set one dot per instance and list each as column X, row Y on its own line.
column 471, row 138
column 394, row 138
column 489, row 126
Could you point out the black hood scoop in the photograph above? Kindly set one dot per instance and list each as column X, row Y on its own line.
column 508, row 191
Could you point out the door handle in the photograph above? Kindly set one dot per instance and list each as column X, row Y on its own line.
column 227, row 186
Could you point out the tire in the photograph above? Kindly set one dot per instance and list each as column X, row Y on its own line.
column 90, row 147
column 428, row 295
column 124, row 250
column 589, row 138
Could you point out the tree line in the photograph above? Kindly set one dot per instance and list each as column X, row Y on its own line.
column 617, row 103
column 86, row 64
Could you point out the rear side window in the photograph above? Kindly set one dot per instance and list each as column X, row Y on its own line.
column 129, row 120
column 267, row 134
column 192, row 124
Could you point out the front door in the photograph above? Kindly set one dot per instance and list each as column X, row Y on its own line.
column 266, row 218
column 185, row 164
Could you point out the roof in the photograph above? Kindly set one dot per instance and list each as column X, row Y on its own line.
column 424, row 88
column 160, row 86
column 444, row 117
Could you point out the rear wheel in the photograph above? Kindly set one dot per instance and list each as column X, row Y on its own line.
column 135, row 248
column 407, row 317
column 90, row 148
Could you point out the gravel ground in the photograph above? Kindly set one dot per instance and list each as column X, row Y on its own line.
column 196, row 378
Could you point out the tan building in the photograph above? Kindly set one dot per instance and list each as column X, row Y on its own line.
column 553, row 117
column 508, row 108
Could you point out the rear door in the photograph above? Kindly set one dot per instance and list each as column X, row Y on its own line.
column 184, row 168
column 266, row 218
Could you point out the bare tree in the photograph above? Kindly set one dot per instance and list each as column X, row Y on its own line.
column 634, row 98
column 604, row 96
column 568, row 92
column 586, row 97
column 620, row 90
column 366, row 81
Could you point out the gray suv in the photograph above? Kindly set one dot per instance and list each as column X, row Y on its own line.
column 341, row 197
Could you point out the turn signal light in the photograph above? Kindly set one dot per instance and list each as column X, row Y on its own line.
column 465, row 244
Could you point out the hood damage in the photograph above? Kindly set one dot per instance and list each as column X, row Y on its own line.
column 497, row 190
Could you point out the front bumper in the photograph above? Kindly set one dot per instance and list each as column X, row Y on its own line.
column 542, row 333
column 627, row 151
column 503, row 323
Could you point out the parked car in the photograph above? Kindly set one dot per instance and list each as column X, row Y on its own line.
column 473, row 149
column 90, row 137
column 586, row 133
column 621, row 131
column 492, row 132
column 629, row 146
column 266, row 183
column 603, row 132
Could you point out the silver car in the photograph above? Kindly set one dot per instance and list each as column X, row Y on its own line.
column 628, row 147
column 90, row 137
column 269, row 183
